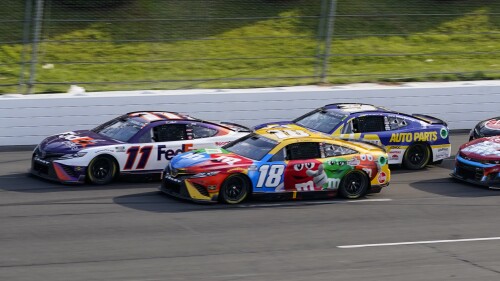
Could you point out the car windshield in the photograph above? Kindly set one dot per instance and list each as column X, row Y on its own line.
column 323, row 121
column 122, row 129
column 252, row 146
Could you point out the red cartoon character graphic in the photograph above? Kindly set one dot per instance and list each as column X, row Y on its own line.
column 367, row 163
column 299, row 175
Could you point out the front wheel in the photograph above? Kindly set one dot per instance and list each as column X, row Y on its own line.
column 416, row 156
column 101, row 170
column 354, row 185
column 234, row 189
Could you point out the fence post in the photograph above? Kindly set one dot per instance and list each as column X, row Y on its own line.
column 328, row 38
column 26, row 35
column 36, row 40
column 319, row 38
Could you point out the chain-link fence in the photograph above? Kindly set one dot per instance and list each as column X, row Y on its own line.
column 48, row 45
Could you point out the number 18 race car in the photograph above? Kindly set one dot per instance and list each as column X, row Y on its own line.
column 134, row 143
column 286, row 162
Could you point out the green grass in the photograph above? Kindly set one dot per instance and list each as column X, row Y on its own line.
column 418, row 45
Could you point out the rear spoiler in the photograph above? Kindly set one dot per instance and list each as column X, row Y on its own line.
column 429, row 119
column 235, row 127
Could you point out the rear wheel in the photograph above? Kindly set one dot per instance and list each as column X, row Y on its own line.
column 101, row 170
column 354, row 185
column 416, row 156
column 234, row 189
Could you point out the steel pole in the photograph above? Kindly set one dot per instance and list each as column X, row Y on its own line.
column 328, row 39
column 26, row 35
column 36, row 40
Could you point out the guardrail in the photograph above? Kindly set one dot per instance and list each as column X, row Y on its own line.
column 27, row 119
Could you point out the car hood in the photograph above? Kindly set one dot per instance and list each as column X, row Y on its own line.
column 490, row 127
column 70, row 142
column 209, row 159
column 482, row 149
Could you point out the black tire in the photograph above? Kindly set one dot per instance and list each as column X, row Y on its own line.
column 416, row 156
column 354, row 185
column 102, row 170
column 235, row 189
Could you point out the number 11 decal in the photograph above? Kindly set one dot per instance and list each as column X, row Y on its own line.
column 270, row 176
column 145, row 152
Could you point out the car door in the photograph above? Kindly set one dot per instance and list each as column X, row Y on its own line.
column 368, row 128
column 157, row 145
column 303, row 166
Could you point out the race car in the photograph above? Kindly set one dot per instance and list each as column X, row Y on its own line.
column 478, row 162
column 286, row 162
column 486, row 128
column 131, row 144
column 412, row 140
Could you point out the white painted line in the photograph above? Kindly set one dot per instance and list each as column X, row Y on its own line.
column 418, row 242
column 305, row 202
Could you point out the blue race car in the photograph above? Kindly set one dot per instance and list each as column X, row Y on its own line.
column 411, row 140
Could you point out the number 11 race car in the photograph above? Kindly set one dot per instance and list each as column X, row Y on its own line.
column 134, row 143
column 287, row 162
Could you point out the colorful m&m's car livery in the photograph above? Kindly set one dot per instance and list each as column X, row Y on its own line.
column 478, row 162
column 134, row 143
column 412, row 140
column 281, row 161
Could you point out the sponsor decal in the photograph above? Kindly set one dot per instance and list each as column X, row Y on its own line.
column 168, row 154
column 104, row 150
column 78, row 140
column 71, row 145
column 492, row 124
column 42, row 161
column 228, row 160
column 236, row 170
column 221, row 143
column 410, row 137
column 382, row 160
column 120, row 149
column 485, row 148
column 443, row 133
column 382, row 177
column 170, row 178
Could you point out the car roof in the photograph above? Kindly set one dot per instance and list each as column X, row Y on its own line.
column 280, row 133
column 350, row 108
column 153, row 116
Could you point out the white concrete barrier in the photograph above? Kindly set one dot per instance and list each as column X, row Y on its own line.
column 27, row 119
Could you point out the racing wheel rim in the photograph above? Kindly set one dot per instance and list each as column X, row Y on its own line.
column 417, row 156
column 235, row 189
column 354, row 185
column 102, row 170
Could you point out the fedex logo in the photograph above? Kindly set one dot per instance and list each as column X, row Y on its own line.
column 168, row 154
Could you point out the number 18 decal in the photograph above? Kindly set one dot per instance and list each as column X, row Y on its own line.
column 270, row 176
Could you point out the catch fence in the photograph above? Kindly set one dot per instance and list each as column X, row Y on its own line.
column 102, row 45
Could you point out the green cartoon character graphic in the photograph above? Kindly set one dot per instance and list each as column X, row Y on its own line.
column 330, row 173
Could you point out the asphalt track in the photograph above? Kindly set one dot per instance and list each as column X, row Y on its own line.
column 129, row 231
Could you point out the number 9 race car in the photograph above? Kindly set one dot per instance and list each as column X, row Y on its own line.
column 412, row 140
column 286, row 162
column 134, row 143
column 486, row 128
column 478, row 162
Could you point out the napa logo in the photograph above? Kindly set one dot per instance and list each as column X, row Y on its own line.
column 410, row 137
